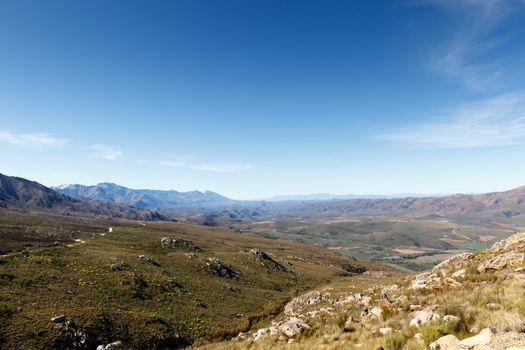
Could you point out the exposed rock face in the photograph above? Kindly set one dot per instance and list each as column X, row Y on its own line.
column 499, row 262
column 149, row 260
column 216, row 267
column 294, row 327
column 514, row 242
column 179, row 243
column 266, row 260
column 453, row 262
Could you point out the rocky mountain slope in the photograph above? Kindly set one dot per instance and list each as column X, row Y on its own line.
column 19, row 193
column 468, row 302
column 146, row 199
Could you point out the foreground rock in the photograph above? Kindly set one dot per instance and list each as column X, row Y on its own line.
column 451, row 342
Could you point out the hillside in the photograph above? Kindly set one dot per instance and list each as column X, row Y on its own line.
column 145, row 199
column 468, row 302
column 153, row 286
column 20, row 193
column 495, row 205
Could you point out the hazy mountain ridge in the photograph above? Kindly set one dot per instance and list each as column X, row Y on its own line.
column 143, row 198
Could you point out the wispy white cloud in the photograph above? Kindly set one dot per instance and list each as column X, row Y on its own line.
column 105, row 152
column 41, row 140
column 188, row 162
column 493, row 122
column 461, row 57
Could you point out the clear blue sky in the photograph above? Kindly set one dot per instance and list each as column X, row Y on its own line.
column 265, row 97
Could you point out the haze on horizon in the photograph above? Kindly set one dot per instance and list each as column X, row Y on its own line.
column 264, row 98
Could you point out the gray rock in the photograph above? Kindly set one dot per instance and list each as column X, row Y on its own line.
column 293, row 327
column 451, row 319
column 423, row 316
column 216, row 267
column 112, row 346
column 149, row 260
column 266, row 260
column 58, row 319
column 119, row 266
column 179, row 243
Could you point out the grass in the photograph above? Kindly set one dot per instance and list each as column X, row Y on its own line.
column 147, row 306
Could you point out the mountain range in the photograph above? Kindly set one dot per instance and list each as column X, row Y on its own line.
column 143, row 198
column 20, row 193
column 122, row 201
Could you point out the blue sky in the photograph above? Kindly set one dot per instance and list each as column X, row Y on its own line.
column 259, row 98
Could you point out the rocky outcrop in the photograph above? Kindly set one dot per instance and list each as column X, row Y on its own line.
column 216, row 267
column 179, row 243
column 265, row 260
column 297, row 305
column 501, row 261
column 453, row 262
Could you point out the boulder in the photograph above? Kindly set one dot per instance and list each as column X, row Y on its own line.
column 448, row 342
column 423, row 280
column 478, row 341
column 423, row 316
column 294, row 327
